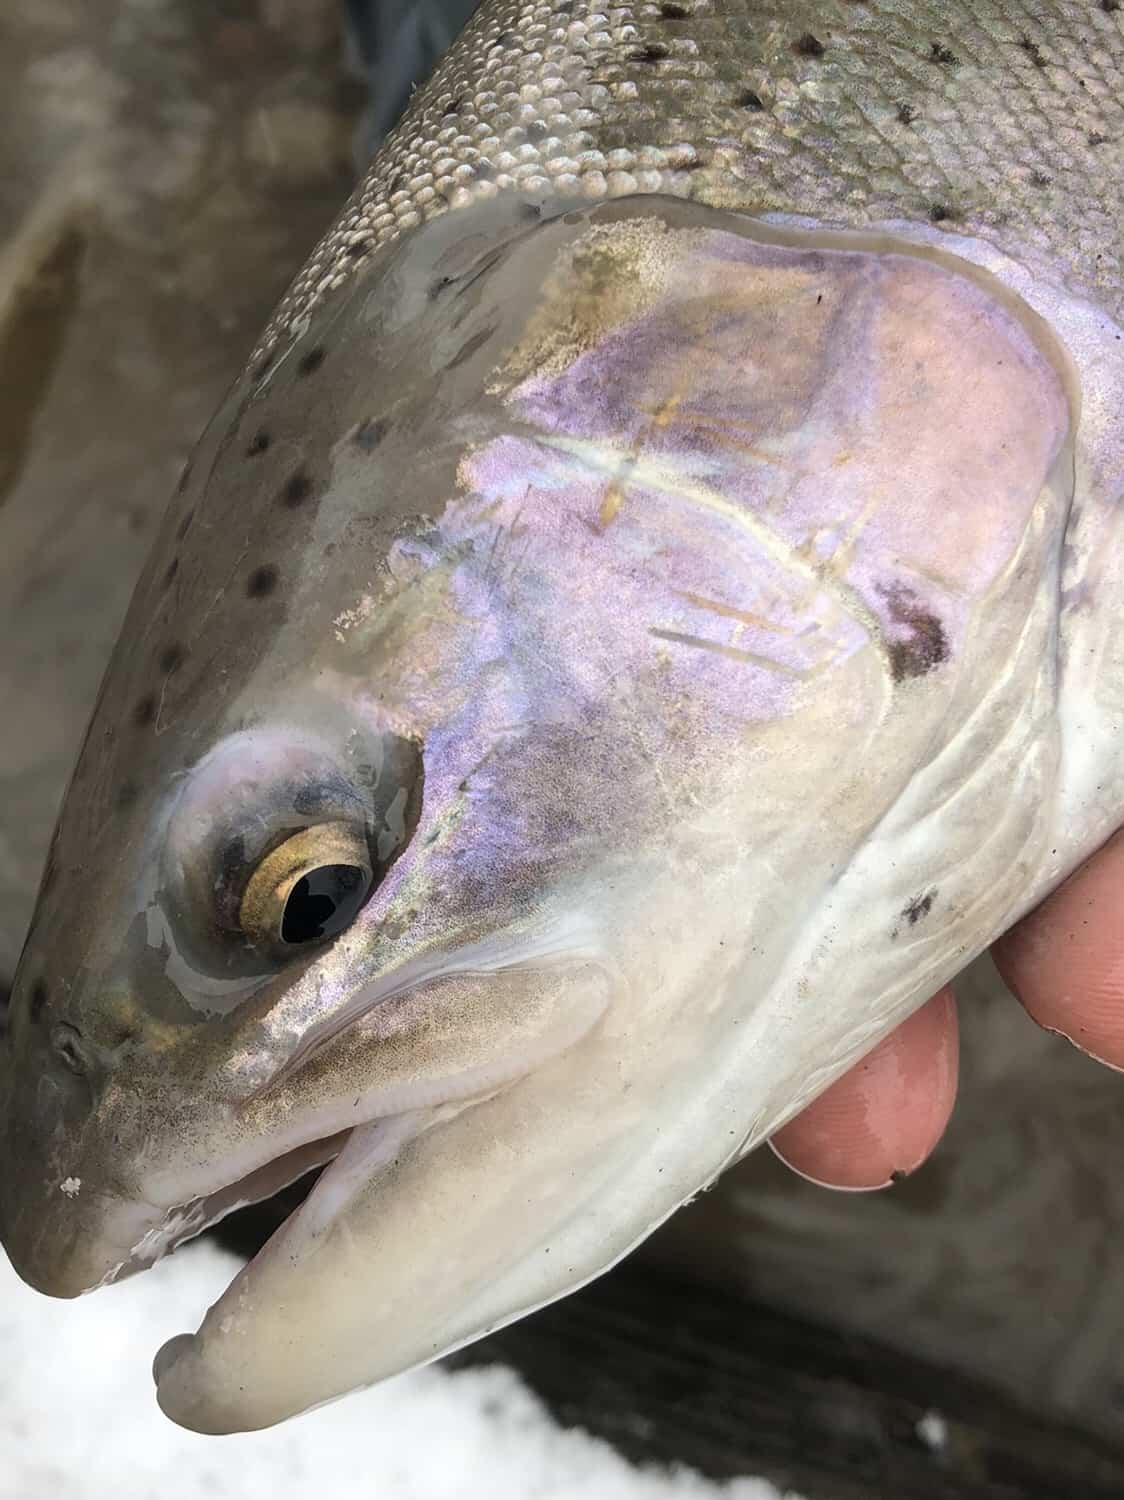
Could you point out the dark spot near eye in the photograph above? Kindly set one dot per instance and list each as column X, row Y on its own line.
column 939, row 212
column 674, row 12
column 652, row 52
column 939, row 53
column 310, row 362
column 357, row 248
column 468, row 349
column 185, row 524
column 37, row 1000
column 296, row 489
column 808, row 46
column 1039, row 179
column 369, row 434
column 453, row 105
column 262, row 368
column 919, row 907
column 171, row 570
column 258, row 443
column 171, row 659
column 750, row 99
column 1033, row 51
column 127, row 794
column 906, row 114
column 262, row 581
column 144, row 711
column 925, row 647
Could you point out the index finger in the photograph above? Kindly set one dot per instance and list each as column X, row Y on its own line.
column 1065, row 961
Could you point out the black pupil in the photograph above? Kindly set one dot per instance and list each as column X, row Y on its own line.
column 322, row 903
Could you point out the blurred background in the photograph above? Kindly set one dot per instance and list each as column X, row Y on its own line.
column 165, row 166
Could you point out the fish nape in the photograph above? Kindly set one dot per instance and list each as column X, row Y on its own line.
column 642, row 622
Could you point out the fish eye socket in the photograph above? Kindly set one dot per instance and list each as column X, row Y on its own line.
column 308, row 888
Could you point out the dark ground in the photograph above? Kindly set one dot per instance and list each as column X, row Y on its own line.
column 164, row 167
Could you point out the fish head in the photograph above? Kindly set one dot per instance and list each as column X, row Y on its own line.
column 547, row 744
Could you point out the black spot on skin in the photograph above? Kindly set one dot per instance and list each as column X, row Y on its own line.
column 261, row 582
column 310, row 362
column 1096, row 139
column 258, row 443
column 944, row 56
column 369, row 434
column 37, row 1000
column 939, row 212
column 1033, row 51
column 926, row 646
column 172, row 659
column 468, row 349
column 674, row 12
column 906, row 114
column 397, row 182
column 651, row 52
column 507, row 38
column 750, row 99
column 170, row 571
column 357, row 248
column 185, row 524
column 453, row 106
column 144, row 711
column 296, row 489
column 1110, row 7
column 127, row 794
column 1039, row 179
column 808, row 46
column 919, row 907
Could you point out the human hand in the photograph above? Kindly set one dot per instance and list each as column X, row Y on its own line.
column 1064, row 962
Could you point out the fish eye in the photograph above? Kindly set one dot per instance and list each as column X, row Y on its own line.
column 307, row 888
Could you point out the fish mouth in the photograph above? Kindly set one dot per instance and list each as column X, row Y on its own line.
column 329, row 1168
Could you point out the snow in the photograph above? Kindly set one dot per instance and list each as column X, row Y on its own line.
column 79, row 1421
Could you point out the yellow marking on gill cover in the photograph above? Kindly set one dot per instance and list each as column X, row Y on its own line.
column 599, row 458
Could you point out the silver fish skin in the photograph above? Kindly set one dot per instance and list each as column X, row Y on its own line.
column 643, row 620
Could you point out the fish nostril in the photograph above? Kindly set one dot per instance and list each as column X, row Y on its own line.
column 67, row 1043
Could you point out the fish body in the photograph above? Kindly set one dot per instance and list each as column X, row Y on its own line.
column 642, row 621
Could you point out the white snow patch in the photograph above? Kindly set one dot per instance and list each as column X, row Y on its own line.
column 79, row 1420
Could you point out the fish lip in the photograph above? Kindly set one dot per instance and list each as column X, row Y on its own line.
column 182, row 1222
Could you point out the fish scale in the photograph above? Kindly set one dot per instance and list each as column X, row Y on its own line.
column 1005, row 121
